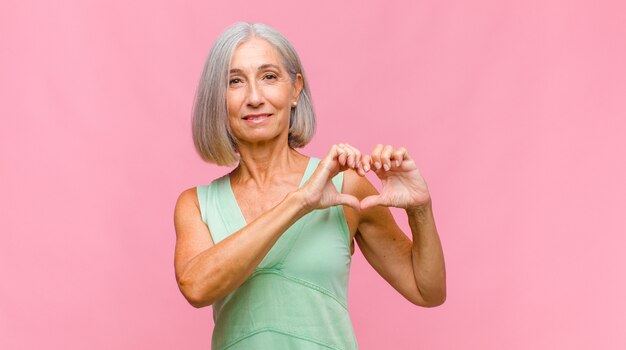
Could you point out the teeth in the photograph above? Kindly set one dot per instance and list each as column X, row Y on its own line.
column 257, row 118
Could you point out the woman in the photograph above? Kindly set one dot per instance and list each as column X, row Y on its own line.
column 269, row 244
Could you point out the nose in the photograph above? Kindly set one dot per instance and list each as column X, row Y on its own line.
column 255, row 95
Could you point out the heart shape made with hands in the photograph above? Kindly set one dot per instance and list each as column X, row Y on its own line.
column 403, row 186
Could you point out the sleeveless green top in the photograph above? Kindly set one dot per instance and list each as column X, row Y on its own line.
column 297, row 298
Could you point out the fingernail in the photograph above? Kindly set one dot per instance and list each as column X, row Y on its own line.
column 377, row 165
column 397, row 163
column 386, row 166
column 367, row 167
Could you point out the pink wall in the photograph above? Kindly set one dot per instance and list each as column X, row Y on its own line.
column 514, row 111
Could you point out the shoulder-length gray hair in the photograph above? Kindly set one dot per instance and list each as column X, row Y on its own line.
column 211, row 132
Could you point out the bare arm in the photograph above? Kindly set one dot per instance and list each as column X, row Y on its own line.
column 427, row 256
column 219, row 269
column 414, row 268
column 206, row 272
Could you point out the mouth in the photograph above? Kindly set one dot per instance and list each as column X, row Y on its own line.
column 256, row 118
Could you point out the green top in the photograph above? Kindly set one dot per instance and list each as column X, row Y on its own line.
column 297, row 298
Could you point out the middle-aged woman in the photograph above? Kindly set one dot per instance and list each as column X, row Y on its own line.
column 269, row 244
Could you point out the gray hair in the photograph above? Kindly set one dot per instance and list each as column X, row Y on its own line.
column 211, row 132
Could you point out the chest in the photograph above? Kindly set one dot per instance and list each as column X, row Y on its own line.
column 254, row 203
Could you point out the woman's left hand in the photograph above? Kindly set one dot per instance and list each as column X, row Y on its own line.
column 403, row 185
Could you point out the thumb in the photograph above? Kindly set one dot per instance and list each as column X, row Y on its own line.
column 370, row 201
column 349, row 200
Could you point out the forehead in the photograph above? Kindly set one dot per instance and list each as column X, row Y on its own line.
column 254, row 53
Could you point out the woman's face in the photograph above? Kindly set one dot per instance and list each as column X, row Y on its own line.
column 260, row 93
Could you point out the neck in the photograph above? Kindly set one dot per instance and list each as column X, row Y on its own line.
column 260, row 164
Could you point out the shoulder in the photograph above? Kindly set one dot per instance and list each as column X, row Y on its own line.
column 187, row 202
column 189, row 197
column 357, row 185
column 361, row 187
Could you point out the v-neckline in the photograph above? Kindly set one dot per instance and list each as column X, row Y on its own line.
column 242, row 218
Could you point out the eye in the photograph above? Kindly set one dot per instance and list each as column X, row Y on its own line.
column 234, row 81
column 269, row 76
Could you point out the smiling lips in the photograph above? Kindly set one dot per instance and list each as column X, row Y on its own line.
column 256, row 118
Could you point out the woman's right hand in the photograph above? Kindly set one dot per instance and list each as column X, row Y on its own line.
column 319, row 191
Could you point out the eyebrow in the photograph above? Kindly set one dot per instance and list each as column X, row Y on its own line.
column 261, row 67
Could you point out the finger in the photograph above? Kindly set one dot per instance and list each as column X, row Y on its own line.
column 366, row 162
column 398, row 156
column 349, row 200
column 343, row 155
column 332, row 160
column 376, row 156
column 331, row 155
column 385, row 157
column 351, row 156
column 357, row 155
column 360, row 171
column 333, row 152
column 370, row 201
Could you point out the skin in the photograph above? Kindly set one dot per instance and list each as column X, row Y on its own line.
column 265, row 185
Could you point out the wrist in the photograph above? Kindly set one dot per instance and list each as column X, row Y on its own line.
column 420, row 217
column 298, row 199
column 420, row 210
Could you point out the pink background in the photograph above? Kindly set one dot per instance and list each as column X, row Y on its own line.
column 514, row 111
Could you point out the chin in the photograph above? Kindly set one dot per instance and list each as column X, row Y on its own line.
column 262, row 137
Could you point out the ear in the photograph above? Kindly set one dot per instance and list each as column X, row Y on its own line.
column 298, row 86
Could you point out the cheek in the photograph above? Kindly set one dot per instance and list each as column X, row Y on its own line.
column 233, row 102
column 279, row 97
